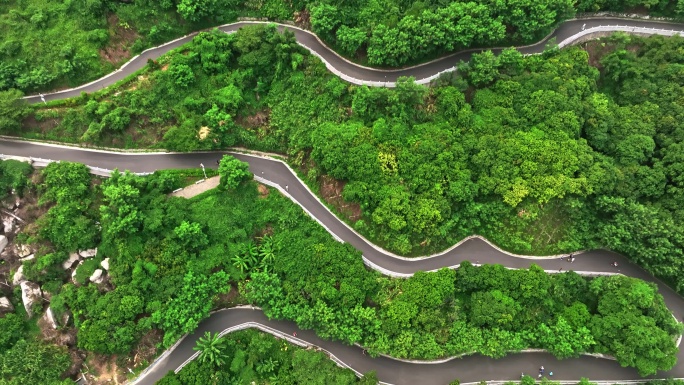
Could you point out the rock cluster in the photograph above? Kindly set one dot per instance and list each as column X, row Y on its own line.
column 5, row 306
column 30, row 295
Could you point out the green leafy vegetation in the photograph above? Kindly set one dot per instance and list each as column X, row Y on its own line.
column 254, row 357
column 96, row 36
column 33, row 363
column 232, row 172
column 488, row 310
column 541, row 154
column 14, row 177
column 211, row 348
column 170, row 262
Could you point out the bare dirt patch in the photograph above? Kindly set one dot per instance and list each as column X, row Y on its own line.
column 102, row 369
column 302, row 19
column 259, row 119
column 331, row 191
column 226, row 300
column 121, row 37
column 146, row 351
column 597, row 49
column 263, row 191
column 43, row 125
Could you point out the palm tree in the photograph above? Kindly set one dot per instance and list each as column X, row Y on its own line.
column 266, row 253
column 251, row 254
column 241, row 263
column 211, row 348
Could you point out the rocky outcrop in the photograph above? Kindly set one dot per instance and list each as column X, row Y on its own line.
column 69, row 263
column 7, row 225
column 5, row 306
column 88, row 253
column 50, row 318
column 28, row 258
column 73, row 273
column 30, row 295
column 105, row 264
column 23, row 251
column 3, row 243
column 97, row 277
column 18, row 276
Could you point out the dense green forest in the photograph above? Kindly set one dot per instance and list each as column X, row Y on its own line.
column 247, row 357
column 542, row 154
column 172, row 260
column 571, row 149
column 96, row 36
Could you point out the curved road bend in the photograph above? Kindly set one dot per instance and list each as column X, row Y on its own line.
column 467, row 369
column 308, row 39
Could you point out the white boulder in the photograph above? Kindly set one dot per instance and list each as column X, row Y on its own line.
column 97, row 276
column 28, row 258
column 18, row 276
column 50, row 317
column 88, row 253
column 3, row 242
column 105, row 264
column 23, row 251
column 9, row 204
column 73, row 258
column 7, row 225
column 30, row 294
column 5, row 306
column 73, row 273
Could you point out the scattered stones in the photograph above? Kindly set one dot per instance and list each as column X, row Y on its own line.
column 105, row 264
column 23, row 251
column 73, row 258
column 28, row 258
column 30, row 294
column 18, row 276
column 64, row 320
column 66, row 339
column 3, row 242
column 97, row 276
column 7, row 225
column 73, row 273
column 5, row 306
column 88, row 253
column 9, row 204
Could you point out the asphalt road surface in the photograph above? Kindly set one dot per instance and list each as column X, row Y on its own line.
column 467, row 369
column 308, row 39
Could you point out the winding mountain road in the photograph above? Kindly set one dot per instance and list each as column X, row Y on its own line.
column 467, row 369
column 564, row 34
